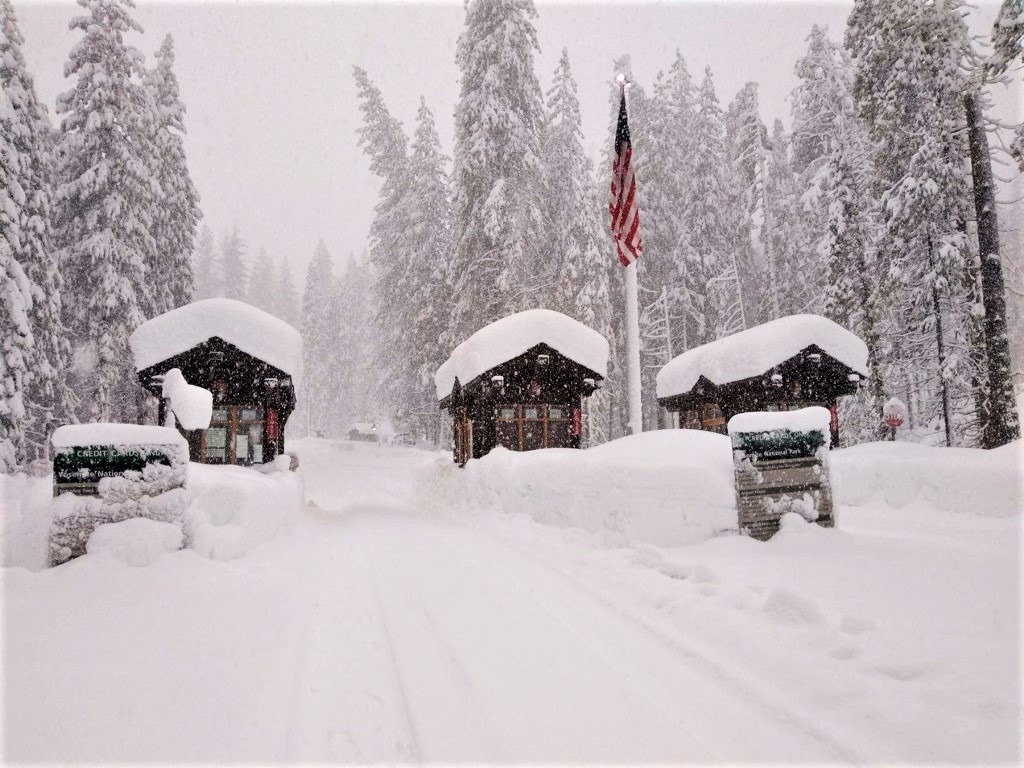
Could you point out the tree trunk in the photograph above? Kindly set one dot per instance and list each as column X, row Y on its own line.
column 1000, row 424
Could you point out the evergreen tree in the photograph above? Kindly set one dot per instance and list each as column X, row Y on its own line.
column 747, row 140
column 908, row 86
column 711, row 293
column 27, row 228
column 15, row 302
column 428, row 240
column 177, row 215
column 234, row 267
column 498, row 221
column 105, row 203
column 391, row 252
column 207, row 269
column 319, row 324
column 286, row 300
column 263, row 283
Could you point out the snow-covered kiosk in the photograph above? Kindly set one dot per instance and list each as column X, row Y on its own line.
column 790, row 363
column 248, row 359
column 520, row 383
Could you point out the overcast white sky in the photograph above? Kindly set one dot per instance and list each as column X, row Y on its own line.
column 272, row 110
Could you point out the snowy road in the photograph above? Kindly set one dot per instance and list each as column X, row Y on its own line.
column 434, row 642
column 386, row 626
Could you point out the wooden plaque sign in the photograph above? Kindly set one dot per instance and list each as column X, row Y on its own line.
column 780, row 470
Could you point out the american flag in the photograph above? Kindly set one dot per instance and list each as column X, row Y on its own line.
column 622, row 205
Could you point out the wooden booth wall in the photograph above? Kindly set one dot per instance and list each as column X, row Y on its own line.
column 807, row 379
column 252, row 401
column 535, row 403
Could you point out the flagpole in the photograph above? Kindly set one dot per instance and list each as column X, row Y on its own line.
column 635, row 408
column 636, row 421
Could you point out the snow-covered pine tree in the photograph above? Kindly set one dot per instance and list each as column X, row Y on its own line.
column 498, row 242
column 795, row 277
column 263, row 282
column 104, row 206
column 712, row 292
column 429, row 241
column 747, row 142
column 391, row 252
column 581, row 251
column 1007, row 44
column 286, row 298
column 207, row 270
column 908, row 86
column 16, row 340
column 49, row 400
column 319, row 330
column 234, row 267
column 177, row 216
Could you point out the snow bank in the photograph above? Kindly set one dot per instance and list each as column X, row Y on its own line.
column 511, row 336
column 135, row 542
column 968, row 480
column 665, row 488
column 759, row 349
column 233, row 510
column 251, row 330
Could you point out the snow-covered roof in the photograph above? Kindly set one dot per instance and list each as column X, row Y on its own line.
column 252, row 330
column 77, row 435
column 511, row 336
column 757, row 350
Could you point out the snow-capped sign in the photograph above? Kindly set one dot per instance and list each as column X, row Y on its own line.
column 511, row 336
column 753, row 352
column 251, row 330
column 894, row 413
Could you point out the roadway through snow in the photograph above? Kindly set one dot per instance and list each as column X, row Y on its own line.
column 429, row 640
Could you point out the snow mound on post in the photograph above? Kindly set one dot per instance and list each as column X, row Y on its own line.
column 812, row 419
column 82, row 435
column 192, row 405
column 511, row 336
column 251, row 330
column 753, row 352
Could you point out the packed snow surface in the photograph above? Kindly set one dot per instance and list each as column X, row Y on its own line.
column 756, row 350
column 418, row 614
column 813, row 419
column 72, row 435
column 511, row 336
column 250, row 329
column 191, row 405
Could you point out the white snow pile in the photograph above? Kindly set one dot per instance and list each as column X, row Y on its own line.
column 665, row 488
column 252, row 330
column 902, row 474
column 120, row 435
column 813, row 419
column 192, row 405
column 756, row 350
column 511, row 336
column 234, row 510
column 223, row 513
column 136, row 542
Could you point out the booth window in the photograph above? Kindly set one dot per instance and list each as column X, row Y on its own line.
column 235, row 435
column 528, row 427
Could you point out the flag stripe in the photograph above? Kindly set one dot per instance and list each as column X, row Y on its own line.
column 622, row 205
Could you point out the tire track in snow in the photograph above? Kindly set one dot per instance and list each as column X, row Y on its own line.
column 771, row 705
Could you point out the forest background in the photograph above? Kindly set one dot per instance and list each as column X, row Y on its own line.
column 853, row 200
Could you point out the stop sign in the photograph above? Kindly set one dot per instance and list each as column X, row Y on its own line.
column 894, row 413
